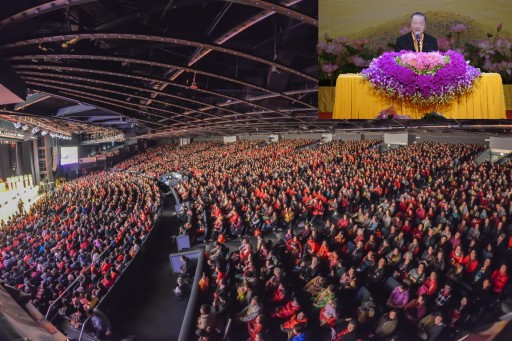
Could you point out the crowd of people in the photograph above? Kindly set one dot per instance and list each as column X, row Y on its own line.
column 340, row 239
column 83, row 234
column 370, row 244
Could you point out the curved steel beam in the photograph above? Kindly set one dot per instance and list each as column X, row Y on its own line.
column 224, row 96
column 278, row 9
column 201, row 53
column 156, row 64
column 136, row 88
column 207, row 106
column 43, row 82
column 223, row 118
column 58, row 4
column 82, row 97
column 159, row 39
column 40, row 9
column 113, row 102
column 93, row 80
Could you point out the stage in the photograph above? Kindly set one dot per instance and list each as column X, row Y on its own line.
column 9, row 200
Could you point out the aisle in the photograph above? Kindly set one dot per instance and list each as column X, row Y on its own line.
column 143, row 303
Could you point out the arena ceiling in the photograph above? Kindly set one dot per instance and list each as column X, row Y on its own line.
column 170, row 68
column 167, row 67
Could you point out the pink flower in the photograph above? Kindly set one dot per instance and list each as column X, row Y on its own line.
column 444, row 43
column 333, row 48
column 486, row 48
column 405, row 29
column 359, row 43
column 459, row 28
column 329, row 68
column 320, row 48
column 505, row 66
column 490, row 66
column 342, row 40
column 503, row 46
column 359, row 62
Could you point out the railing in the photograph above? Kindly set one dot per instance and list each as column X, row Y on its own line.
column 191, row 306
column 83, row 328
column 483, row 156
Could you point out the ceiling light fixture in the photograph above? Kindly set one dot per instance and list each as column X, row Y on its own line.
column 193, row 86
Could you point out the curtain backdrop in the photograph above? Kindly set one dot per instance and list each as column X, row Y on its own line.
column 372, row 19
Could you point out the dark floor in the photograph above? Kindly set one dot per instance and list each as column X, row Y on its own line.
column 143, row 304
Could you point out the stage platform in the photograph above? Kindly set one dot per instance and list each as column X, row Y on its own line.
column 9, row 200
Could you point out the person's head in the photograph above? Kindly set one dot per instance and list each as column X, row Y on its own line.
column 255, row 300
column 421, row 299
column 438, row 319
column 392, row 315
column 352, row 325
column 463, row 301
column 298, row 329
column 503, row 268
column 205, row 309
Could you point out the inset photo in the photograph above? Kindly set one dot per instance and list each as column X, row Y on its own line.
column 407, row 60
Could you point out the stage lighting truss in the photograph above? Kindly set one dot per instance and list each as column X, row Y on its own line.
column 40, row 125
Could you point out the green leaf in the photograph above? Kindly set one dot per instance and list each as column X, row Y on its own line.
column 367, row 56
column 472, row 48
column 329, row 57
column 352, row 50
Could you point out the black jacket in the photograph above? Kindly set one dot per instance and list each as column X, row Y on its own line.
column 405, row 42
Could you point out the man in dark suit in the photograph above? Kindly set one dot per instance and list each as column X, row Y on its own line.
column 417, row 40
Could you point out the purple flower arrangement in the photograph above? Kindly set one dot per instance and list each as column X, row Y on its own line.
column 435, row 78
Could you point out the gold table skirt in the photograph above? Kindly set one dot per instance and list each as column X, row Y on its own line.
column 355, row 99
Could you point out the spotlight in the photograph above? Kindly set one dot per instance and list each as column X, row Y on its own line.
column 17, row 125
column 35, row 130
column 44, row 132
column 25, row 127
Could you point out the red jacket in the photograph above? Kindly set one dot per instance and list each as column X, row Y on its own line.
column 498, row 281
column 286, row 311
column 292, row 322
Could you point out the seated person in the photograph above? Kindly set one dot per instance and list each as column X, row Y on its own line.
column 417, row 40
column 206, row 319
column 182, row 290
column 399, row 297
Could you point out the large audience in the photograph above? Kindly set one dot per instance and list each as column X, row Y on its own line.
column 370, row 244
column 83, row 234
column 340, row 240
